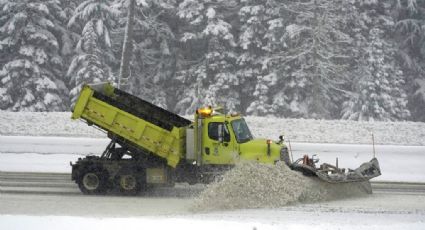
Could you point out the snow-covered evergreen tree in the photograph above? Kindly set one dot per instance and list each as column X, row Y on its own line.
column 357, row 59
column 378, row 84
column 190, row 81
column 417, row 99
column 93, row 50
column 154, row 61
column 214, row 68
column 68, row 37
column 379, row 93
column 410, row 35
column 313, row 61
column 260, row 106
column 256, row 80
column 31, row 65
column 127, row 48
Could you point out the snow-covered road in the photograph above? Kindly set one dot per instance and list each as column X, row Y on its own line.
column 377, row 211
column 53, row 154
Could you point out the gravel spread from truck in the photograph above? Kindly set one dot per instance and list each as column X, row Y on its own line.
column 253, row 185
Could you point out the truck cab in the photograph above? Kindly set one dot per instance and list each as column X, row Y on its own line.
column 226, row 140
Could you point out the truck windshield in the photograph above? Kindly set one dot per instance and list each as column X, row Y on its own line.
column 241, row 130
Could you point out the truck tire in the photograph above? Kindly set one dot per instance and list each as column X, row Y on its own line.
column 93, row 180
column 130, row 181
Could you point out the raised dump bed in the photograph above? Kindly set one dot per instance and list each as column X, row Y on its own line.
column 148, row 127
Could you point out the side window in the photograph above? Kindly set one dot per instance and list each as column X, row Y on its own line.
column 213, row 131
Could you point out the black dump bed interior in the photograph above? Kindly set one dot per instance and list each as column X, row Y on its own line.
column 143, row 109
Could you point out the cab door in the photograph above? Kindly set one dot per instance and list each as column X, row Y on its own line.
column 218, row 145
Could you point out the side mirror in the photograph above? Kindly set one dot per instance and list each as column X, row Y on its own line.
column 281, row 139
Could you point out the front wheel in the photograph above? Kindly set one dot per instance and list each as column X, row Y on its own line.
column 93, row 180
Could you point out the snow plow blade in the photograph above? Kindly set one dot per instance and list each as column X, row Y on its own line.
column 333, row 174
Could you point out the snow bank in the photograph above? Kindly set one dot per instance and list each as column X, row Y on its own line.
column 53, row 145
column 45, row 124
column 339, row 131
column 252, row 185
column 296, row 130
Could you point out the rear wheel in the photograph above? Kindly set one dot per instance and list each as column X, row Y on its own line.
column 93, row 180
column 130, row 181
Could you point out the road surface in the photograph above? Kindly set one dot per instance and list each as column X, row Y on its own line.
column 30, row 200
column 53, row 154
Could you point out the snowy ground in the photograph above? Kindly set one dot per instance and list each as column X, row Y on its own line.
column 297, row 130
column 378, row 211
column 53, row 154
column 23, row 152
column 273, row 219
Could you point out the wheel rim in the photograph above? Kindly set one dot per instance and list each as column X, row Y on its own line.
column 128, row 182
column 91, row 181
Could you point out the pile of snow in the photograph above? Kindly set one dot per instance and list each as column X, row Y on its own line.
column 296, row 130
column 252, row 185
column 339, row 131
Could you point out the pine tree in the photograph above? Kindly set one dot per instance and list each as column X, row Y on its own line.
column 212, row 71
column 378, row 81
column 256, row 80
column 69, row 38
column 410, row 35
column 127, row 52
column 155, row 59
column 313, row 62
column 93, row 50
column 261, row 105
column 379, row 94
column 30, row 76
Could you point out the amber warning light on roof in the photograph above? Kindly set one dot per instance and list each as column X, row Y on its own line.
column 205, row 112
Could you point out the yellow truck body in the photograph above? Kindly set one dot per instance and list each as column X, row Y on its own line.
column 92, row 107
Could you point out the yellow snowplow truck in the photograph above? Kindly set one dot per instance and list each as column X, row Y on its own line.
column 151, row 146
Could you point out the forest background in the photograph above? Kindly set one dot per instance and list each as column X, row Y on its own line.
column 323, row 59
